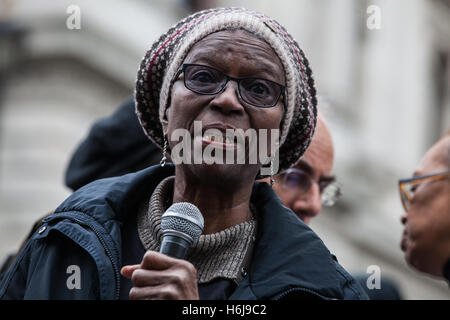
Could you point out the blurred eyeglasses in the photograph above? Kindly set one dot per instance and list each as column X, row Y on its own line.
column 206, row 80
column 407, row 187
column 299, row 180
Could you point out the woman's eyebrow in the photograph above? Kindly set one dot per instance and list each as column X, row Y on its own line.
column 202, row 58
column 270, row 71
column 259, row 67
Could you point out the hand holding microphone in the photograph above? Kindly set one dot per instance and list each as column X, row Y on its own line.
column 165, row 275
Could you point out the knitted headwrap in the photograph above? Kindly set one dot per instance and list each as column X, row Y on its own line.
column 162, row 61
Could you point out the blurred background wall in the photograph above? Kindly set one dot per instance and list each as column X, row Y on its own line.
column 385, row 93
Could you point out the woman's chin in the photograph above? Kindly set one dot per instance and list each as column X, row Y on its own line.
column 221, row 174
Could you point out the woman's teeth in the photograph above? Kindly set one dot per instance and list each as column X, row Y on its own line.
column 210, row 137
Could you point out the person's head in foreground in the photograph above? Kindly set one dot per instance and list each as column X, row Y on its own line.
column 426, row 219
column 225, row 69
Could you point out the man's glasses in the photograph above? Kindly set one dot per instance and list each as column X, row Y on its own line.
column 300, row 181
column 407, row 187
column 206, row 80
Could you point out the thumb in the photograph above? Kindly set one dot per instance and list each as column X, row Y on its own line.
column 127, row 271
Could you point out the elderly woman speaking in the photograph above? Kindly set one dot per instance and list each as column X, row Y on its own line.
column 225, row 70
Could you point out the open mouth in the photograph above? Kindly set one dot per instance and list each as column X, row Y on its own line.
column 221, row 141
column 221, row 136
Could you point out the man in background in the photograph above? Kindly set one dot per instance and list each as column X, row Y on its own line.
column 309, row 184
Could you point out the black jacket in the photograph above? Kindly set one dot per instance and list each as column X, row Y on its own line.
column 289, row 260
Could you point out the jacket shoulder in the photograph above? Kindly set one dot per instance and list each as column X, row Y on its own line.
column 51, row 266
column 290, row 258
column 111, row 198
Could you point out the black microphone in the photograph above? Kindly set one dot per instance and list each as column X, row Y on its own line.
column 181, row 225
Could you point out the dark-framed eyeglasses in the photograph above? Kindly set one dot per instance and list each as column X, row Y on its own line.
column 298, row 180
column 407, row 187
column 207, row 80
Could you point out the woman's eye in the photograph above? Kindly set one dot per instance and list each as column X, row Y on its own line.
column 203, row 76
column 259, row 88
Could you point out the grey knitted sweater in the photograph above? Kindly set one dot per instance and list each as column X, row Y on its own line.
column 224, row 254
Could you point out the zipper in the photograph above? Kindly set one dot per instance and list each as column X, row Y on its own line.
column 101, row 239
column 299, row 289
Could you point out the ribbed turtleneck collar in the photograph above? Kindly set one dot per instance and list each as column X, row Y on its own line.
column 220, row 255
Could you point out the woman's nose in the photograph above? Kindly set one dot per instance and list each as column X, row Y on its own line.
column 227, row 101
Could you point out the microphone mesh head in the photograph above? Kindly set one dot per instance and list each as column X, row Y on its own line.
column 183, row 218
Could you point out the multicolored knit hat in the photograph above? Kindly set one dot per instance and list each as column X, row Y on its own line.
column 162, row 61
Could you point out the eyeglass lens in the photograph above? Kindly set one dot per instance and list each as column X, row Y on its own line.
column 207, row 80
column 297, row 179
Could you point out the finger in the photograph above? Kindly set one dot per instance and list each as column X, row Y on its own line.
column 163, row 292
column 127, row 271
column 157, row 261
column 144, row 278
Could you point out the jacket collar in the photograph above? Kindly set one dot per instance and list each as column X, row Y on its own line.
column 114, row 198
column 288, row 254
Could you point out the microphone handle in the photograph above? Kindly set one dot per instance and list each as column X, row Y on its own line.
column 175, row 247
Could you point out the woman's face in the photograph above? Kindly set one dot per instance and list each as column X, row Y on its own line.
column 240, row 55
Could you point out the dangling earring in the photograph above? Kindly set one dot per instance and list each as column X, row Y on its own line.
column 272, row 181
column 162, row 163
